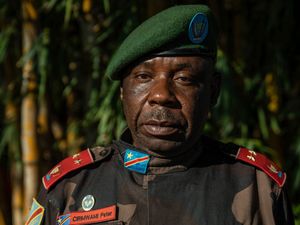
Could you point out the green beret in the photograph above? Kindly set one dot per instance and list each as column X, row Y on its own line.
column 179, row 30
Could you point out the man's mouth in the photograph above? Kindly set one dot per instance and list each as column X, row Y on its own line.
column 161, row 128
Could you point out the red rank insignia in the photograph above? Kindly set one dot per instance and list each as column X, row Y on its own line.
column 67, row 165
column 263, row 163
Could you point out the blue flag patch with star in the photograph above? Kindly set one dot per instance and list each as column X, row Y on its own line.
column 36, row 214
column 136, row 161
column 63, row 220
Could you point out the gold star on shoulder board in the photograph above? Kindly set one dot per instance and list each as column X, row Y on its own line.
column 77, row 161
column 76, row 155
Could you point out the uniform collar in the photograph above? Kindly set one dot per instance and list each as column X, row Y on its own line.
column 161, row 164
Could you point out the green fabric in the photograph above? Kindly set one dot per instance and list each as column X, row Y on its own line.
column 167, row 30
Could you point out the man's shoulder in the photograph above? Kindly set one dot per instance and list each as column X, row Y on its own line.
column 248, row 157
column 75, row 162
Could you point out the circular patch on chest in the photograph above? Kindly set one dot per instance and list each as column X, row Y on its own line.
column 88, row 202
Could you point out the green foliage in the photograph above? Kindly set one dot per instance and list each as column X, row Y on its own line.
column 4, row 39
column 296, row 210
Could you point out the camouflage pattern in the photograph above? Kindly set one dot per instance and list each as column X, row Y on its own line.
column 205, row 185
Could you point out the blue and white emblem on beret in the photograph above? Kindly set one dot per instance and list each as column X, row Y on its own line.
column 198, row 28
column 136, row 161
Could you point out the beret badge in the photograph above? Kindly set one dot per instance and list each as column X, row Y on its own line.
column 198, row 28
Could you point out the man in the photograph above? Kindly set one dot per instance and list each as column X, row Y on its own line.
column 163, row 170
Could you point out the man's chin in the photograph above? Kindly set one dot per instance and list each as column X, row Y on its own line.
column 161, row 146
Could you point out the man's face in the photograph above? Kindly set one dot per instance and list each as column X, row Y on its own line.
column 166, row 101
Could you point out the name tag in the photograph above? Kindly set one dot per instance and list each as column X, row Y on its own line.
column 90, row 217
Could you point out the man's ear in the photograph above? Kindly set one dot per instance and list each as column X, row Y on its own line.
column 215, row 88
column 121, row 93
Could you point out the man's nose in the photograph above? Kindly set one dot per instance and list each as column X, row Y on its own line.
column 162, row 93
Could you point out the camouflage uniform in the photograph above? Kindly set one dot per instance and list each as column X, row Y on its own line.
column 206, row 185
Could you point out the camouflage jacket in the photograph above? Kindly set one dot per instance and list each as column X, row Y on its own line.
column 211, row 184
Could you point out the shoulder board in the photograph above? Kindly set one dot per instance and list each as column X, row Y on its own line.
column 250, row 157
column 73, row 163
column 262, row 162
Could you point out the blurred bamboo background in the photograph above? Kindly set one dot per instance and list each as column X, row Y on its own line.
column 56, row 101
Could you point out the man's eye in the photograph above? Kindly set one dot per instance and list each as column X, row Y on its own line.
column 185, row 80
column 142, row 77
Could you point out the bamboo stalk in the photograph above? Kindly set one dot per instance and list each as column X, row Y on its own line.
column 30, row 151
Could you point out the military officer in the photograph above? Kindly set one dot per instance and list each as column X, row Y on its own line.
column 163, row 170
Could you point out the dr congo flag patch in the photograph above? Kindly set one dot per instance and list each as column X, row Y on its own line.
column 36, row 214
column 136, row 161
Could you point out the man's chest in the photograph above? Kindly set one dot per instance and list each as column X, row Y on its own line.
column 196, row 196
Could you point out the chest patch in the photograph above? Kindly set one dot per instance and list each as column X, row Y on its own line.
column 90, row 217
column 136, row 161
